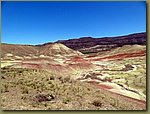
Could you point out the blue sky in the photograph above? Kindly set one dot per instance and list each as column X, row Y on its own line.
column 40, row 22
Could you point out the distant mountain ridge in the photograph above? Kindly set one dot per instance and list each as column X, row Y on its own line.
column 84, row 45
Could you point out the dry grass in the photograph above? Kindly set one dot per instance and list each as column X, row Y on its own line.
column 27, row 89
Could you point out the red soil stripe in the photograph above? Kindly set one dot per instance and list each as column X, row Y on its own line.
column 122, row 56
column 106, row 88
column 103, row 86
column 100, row 85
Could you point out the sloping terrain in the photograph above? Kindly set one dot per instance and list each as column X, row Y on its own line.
column 23, row 89
column 53, row 76
column 125, row 50
column 57, row 49
column 84, row 45
column 90, row 45
column 19, row 52
column 122, row 70
column 118, row 83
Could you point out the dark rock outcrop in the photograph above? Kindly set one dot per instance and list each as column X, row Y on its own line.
column 85, row 43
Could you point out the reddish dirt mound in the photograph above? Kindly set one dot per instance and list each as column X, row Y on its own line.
column 56, row 67
column 31, row 65
column 80, row 66
column 104, row 86
column 122, row 56
column 101, row 86
column 48, row 64
column 77, row 60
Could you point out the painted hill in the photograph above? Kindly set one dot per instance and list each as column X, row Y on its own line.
column 53, row 49
column 57, row 49
column 84, row 45
column 54, row 76
column 17, row 50
column 89, row 44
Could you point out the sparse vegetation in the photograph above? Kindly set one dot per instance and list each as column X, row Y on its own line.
column 41, row 90
column 43, row 80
